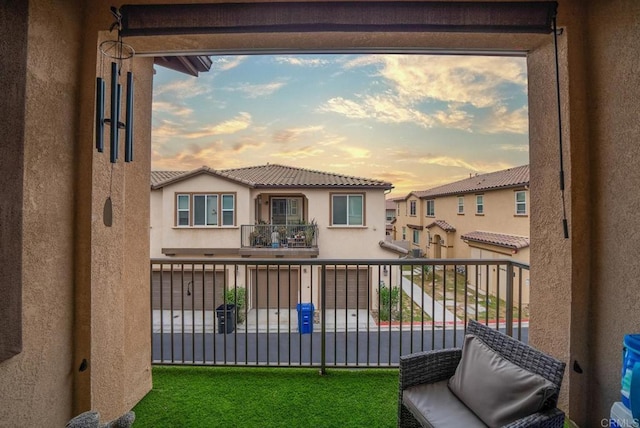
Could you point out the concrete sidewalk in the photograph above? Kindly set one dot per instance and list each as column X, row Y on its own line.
column 434, row 309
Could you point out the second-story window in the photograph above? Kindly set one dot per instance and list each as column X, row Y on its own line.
column 347, row 210
column 182, row 214
column 460, row 204
column 479, row 204
column 521, row 202
column 412, row 208
column 431, row 207
column 205, row 210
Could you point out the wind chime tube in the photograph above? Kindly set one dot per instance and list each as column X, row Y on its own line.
column 128, row 127
column 100, row 114
column 115, row 111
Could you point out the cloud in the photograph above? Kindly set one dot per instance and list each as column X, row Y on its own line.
column 473, row 80
column 170, row 108
column 257, row 90
column 182, row 89
column 515, row 147
column 284, row 136
column 382, row 108
column 226, row 63
column 471, row 166
column 356, row 152
column 302, row 62
column 246, row 144
column 239, row 123
column 300, row 153
column 502, row 120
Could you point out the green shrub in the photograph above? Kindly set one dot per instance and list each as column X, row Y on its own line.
column 237, row 296
column 389, row 298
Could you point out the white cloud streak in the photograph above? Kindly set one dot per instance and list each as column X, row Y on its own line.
column 239, row 123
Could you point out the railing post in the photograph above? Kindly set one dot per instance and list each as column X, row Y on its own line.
column 323, row 320
column 509, row 303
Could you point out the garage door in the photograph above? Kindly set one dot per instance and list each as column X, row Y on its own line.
column 186, row 291
column 347, row 289
column 275, row 289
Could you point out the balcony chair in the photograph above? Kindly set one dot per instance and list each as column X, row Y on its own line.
column 494, row 380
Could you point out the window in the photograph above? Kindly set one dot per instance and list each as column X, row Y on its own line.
column 412, row 209
column 431, row 207
column 347, row 210
column 205, row 210
column 460, row 204
column 521, row 202
column 416, row 237
column 228, row 210
column 182, row 215
column 479, row 204
column 404, row 233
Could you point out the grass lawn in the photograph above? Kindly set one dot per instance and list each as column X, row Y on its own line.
column 270, row 397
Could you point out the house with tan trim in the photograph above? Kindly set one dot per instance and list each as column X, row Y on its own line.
column 485, row 216
column 272, row 212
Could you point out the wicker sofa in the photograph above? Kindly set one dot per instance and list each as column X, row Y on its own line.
column 426, row 396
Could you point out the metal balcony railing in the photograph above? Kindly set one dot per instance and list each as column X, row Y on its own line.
column 327, row 313
column 279, row 236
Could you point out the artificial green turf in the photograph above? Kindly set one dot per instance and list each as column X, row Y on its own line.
column 269, row 397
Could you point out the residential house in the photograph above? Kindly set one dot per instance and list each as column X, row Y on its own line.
column 273, row 211
column 390, row 215
column 75, row 309
column 485, row 216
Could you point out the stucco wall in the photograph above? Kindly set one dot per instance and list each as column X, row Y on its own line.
column 585, row 298
column 35, row 385
column 614, row 112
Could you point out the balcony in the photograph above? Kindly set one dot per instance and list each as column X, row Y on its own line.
column 327, row 313
column 265, row 240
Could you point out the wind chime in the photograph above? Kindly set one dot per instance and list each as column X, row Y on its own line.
column 121, row 55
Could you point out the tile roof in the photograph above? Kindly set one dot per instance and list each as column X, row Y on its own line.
column 390, row 204
column 512, row 177
column 500, row 239
column 273, row 175
column 161, row 176
column 442, row 225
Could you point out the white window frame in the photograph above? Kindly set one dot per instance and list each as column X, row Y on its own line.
column 480, row 204
column 412, row 208
column 431, row 208
column 224, row 210
column 179, row 210
column 460, row 204
column 404, row 233
column 207, row 209
column 349, row 196
column 522, row 203
column 416, row 237
column 218, row 209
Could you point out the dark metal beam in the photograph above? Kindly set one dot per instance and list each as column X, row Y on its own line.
column 337, row 16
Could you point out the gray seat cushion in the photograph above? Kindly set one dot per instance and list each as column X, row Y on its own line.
column 434, row 405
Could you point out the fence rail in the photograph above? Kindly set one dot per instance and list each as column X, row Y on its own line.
column 327, row 313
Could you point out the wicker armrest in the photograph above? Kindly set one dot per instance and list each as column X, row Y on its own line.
column 428, row 367
column 550, row 418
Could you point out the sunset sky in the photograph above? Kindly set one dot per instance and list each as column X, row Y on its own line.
column 417, row 121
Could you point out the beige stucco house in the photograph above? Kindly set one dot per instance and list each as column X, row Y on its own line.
column 75, row 291
column 273, row 211
column 485, row 216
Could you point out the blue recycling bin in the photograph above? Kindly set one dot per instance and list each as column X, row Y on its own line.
column 305, row 317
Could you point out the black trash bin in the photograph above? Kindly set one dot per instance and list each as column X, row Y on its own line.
column 226, row 318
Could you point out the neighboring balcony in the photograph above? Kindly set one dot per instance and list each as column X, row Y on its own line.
column 266, row 240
